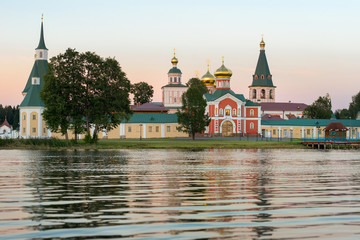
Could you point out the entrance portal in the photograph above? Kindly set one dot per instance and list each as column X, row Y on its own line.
column 227, row 129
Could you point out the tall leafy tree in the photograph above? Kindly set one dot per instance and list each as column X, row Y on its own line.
column 11, row 114
column 354, row 106
column 192, row 117
column 83, row 89
column 320, row 109
column 342, row 113
column 196, row 82
column 143, row 92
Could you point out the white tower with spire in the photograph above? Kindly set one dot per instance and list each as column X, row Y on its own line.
column 31, row 121
column 173, row 91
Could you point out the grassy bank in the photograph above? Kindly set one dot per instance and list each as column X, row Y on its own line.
column 144, row 144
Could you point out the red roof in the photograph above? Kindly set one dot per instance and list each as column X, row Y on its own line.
column 5, row 123
column 336, row 126
column 283, row 106
column 149, row 107
column 272, row 117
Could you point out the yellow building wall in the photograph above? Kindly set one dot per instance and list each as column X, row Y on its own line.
column 23, row 124
column 173, row 131
column 114, row 133
column 153, row 130
column 34, row 124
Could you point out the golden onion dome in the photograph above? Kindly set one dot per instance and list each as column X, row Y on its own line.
column 174, row 60
column 223, row 72
column 208, row 78
column 262, row 43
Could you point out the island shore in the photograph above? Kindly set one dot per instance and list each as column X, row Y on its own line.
column 147, row 144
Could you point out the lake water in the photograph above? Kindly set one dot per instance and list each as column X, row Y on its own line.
column 174, row 194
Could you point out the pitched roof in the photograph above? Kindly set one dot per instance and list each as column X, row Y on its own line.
column 221, row 92
column 336, row 126
column 32, row 98
column 39, row 69
column 5, row 123
column 149, row 107
column 153, row 118
column 42, row 41
column 272, row 117
column 311, row 122
column 282, row 106
column 262, row 68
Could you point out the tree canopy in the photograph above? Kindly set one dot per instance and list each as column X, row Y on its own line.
column 82, row 89
column 143, row 92
column 192, row 117
column 354, row 106
column 320, row 109
column 196, row 82
column 11, row 114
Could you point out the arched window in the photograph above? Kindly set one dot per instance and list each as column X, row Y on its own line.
column 254, row 93
column 256, row 77
column 262, row 95
column 41, row 54
column 221, row 111
column 271, row 94
column 269, row 77
column 252, row 112
column 234, row 111
column 251, row 125
column 262, row 76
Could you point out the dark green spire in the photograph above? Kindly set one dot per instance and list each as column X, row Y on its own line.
column 42, row 41
column 262, row 76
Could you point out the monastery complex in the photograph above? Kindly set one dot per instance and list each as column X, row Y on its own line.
column 231, row 114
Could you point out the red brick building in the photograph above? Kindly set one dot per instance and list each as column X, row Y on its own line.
column 230, row 113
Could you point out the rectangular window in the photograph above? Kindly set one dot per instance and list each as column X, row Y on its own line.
column 227, row 112
column 285, row 132
column 168, row 128
column 34, row 130
column 44, row 130
column 157, row 129
column 23, row 130
column 24, row 117
column 34, row 117
column 150, row 128
column 129, row 129
column 308, row 131
column 274, row 132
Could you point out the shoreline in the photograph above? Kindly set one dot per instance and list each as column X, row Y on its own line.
column 199, row 144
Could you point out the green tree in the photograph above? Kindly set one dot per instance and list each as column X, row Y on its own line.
column 143, row 92
column 196, row 82
column 192, row 117
column 320, row 109
column 83, row 89
column 342, row 113
column 354, row 106
column 11, row 114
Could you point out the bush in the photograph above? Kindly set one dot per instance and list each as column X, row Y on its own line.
column 6, row 142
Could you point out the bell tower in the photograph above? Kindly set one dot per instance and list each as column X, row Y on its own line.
column 262, row 88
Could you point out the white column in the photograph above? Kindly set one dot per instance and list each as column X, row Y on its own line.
column 162, row 130
column 303, row 132
column 314, row 132
column 122, row 129
column 279, row 132
column 144, row 130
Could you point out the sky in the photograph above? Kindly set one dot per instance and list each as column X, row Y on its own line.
column 312, row 47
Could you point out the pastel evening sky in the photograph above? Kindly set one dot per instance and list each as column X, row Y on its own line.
column 312, row 47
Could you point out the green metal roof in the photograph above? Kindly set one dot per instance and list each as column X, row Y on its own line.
column 311, row 122
column 152, row 118
column 221, row 92
column 174, row 85
column 175, row 70
column 32, row 98
column 39, row 69
column 262, row 68
column 251, row 103
column 42, row 41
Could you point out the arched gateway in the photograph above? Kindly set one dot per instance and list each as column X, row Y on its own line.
column 227, row 129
